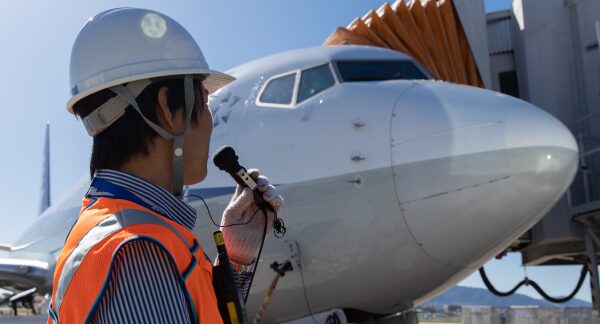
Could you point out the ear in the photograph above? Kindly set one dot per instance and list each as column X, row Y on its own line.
column 163, row 112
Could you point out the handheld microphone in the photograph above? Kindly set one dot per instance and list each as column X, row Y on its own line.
column 226, row 160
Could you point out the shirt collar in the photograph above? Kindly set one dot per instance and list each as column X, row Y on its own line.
column 156, row 197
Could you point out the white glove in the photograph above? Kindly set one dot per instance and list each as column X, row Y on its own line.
column 243, row 241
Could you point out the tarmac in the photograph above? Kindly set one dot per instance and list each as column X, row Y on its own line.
column 24, row 319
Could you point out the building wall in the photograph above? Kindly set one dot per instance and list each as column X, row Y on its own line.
column 502, row 62
column 553, row 44
column 543, row 54
column 584, row 16
column 501, row 46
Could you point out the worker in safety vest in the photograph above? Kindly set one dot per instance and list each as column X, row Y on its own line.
column 139, row 82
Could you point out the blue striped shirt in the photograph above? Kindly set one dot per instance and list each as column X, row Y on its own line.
column 154, row 197
column 144, row 285
column 143, row 288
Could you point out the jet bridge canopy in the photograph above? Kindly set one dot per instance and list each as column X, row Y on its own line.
column 429, row 31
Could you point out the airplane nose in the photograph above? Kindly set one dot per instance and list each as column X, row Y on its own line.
column 475, row 169
column 542, row 155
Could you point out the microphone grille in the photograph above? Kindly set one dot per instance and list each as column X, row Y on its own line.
column 225, row 159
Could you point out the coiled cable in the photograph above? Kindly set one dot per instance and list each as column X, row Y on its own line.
column 528, row 282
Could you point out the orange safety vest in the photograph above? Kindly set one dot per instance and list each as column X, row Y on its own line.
column 102, row 228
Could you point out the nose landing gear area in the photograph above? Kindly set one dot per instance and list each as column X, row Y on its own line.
column 340, row 316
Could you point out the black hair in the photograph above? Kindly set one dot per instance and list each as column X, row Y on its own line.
column 130, row 136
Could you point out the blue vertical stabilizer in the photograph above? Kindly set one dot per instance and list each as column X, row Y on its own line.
column 45, row 193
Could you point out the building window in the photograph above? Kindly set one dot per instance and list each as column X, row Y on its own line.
column 509, row 83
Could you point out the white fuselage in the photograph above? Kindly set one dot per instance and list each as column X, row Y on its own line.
column 395, row 190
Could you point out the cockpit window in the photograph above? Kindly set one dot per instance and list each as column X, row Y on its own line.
column 356, row 71
column 315, row 80
column 279, row 91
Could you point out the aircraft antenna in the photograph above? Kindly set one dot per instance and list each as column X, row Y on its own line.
column 45, row 189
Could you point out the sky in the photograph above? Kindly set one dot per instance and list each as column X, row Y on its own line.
column 35, row 44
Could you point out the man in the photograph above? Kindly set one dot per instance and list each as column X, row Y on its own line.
column 140, row 84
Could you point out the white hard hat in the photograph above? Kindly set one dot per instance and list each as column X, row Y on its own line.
column 122, row 50
column 122, row 45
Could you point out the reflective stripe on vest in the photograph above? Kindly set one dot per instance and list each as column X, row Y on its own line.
column 102, row 231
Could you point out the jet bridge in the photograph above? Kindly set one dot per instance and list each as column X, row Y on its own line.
column 570, row 233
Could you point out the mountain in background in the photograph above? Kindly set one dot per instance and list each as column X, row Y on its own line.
column 459, row 295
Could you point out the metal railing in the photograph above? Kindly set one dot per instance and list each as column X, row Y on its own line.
column 589, row 159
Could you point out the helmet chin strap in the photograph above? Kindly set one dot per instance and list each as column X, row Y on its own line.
column 176, row 139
